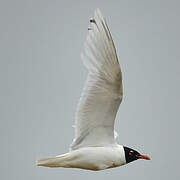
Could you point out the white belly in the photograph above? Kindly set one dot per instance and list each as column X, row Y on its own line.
column 94, row 158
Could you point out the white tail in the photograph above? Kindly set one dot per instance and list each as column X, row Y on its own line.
column 49, row 162
column 58, row 161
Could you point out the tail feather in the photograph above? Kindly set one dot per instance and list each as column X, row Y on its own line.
column 49, row 162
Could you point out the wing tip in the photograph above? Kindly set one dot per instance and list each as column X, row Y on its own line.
column 99, row 13
column 98, row 10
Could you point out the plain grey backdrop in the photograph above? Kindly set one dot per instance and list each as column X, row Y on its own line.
column 42, row 76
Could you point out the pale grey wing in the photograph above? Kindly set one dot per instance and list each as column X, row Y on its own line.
column 102, row 94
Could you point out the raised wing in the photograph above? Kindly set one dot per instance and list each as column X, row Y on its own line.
column 102, row 94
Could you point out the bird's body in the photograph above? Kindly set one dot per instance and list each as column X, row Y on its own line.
column 94, row 146
column 90, row 158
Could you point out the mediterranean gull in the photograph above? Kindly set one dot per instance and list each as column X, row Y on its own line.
column 94, row 146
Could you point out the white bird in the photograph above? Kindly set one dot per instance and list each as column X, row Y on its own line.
column 94, row 146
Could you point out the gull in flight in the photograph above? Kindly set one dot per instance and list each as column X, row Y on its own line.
column 94, row 146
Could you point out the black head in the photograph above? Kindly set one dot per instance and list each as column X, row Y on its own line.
column 132, row 155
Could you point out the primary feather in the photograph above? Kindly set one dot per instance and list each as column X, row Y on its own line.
column 102, row 94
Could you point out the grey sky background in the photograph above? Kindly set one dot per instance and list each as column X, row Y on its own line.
column 42, row 76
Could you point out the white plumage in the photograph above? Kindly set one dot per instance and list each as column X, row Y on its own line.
column 102, row 94
column 94, row 146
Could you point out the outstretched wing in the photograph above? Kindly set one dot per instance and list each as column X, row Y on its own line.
column 102, row 94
